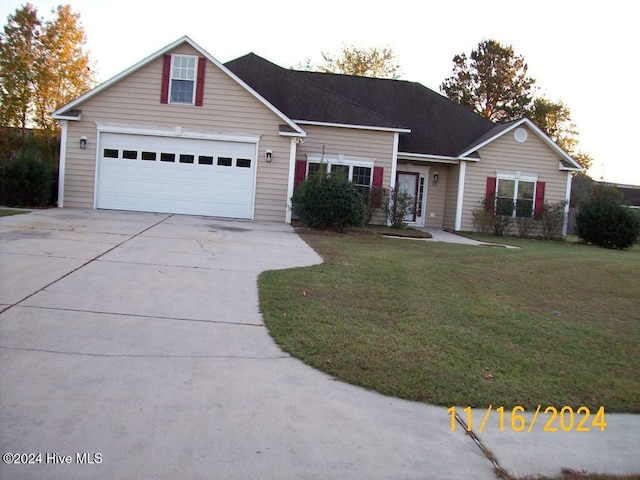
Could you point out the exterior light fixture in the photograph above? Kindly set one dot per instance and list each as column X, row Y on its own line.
column 268, row 156
column 436, row 178
column 83, row 142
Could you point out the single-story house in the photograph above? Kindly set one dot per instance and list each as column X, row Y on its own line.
column 180, row 132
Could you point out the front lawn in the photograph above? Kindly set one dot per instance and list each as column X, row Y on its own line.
column 550, row 324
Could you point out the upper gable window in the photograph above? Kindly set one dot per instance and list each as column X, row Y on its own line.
column 183, row 79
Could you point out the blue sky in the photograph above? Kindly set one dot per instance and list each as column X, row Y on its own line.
column 582, row 53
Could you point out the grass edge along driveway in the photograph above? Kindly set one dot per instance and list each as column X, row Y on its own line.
column 549, row 324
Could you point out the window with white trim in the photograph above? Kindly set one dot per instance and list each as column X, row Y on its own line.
column 515, row 197
column 183, row 79
column 361, row 175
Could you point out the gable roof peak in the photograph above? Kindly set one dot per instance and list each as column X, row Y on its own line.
column 61, row 113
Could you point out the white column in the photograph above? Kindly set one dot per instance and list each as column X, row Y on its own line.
column 394, row 161
column 292, row 172
column 566, row 208
column 62, row 163
column 459, row 201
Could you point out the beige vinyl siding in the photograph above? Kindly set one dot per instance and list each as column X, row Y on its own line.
column 504, row 154
column 228, row 108
column 451, row 197
column 351, row 142
column 436, row 196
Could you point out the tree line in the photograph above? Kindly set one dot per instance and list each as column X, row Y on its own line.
column 43, row 65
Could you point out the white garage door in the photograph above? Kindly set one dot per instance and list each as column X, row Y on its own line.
column 176, row 175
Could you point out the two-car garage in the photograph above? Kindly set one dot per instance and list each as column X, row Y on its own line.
column 170, row 174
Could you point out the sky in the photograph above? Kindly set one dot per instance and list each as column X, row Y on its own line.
column 581, row 53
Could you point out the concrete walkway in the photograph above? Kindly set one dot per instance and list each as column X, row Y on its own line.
column 132, row 347
column 440, row 235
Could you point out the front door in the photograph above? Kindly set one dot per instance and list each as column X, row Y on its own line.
column 408, row 182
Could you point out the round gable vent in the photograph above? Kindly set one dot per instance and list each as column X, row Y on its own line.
column 520, row 135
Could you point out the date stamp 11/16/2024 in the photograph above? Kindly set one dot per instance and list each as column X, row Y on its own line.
column 556, row 420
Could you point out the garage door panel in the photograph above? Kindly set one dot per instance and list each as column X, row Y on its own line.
column 202, row 187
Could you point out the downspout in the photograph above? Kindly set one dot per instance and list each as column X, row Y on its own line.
column 62, row 162
column 459, row 200
column 565, row 226
column 292, row 171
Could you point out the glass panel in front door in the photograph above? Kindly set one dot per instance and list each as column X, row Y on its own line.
column 408, row 182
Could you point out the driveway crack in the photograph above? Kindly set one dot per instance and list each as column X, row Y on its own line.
column 208, row 252
column 143, row 355
column 88, row 262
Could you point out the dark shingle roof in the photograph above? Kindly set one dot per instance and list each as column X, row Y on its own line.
column 301, row 99
column 438, row 125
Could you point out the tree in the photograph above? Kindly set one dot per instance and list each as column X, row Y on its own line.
column 581, row 189
column 492, row 82
column 363, row 62
column 42, row 66
column 554, row 119
column 63, row 72
column 19, row 53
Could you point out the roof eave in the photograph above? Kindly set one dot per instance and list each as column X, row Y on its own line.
column 69, row 115
column 428, row 157
column 354, row 126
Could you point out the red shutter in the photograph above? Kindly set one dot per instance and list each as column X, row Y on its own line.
column 202, row 65
column 376, row 192
column 539, row 203
column 300, row 174
column 166, row 75
column 490, row 194
column 378, row 173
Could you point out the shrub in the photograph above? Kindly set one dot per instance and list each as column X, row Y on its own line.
column 328, row 201
column 606, row 223
column 552, row 219
column 27, row 183
column 497, row 216
column 373, row 202
column 525, row 226
column 483, row 220
column 396, row 205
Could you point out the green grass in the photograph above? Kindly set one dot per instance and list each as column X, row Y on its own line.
column 551, row 323
column 6, row 212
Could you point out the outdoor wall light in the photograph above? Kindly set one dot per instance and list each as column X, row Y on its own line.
column 268, row 155
column 436, row 178
column 83, row 142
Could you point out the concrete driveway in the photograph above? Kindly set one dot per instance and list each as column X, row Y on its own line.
column 131, row 346
column 135, row 341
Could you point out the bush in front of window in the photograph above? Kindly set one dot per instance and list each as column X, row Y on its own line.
column 328, row 201
column 526, row 226
column 483, row 220
column 606, row 223
column 495, row 216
